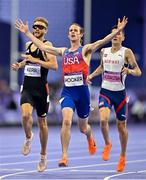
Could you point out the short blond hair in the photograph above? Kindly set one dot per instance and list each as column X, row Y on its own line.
column 42, row 19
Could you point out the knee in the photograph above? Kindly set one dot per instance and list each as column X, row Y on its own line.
column 122, row 127
column 83, row 130
column 103, row 124
column 66, row 123
column 26, row 117
column 42, row 123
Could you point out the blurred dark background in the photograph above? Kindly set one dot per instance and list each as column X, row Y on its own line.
column 97, row 17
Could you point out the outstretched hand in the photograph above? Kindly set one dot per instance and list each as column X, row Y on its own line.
column 122, row 23
column 21, row 26
column 15, row 66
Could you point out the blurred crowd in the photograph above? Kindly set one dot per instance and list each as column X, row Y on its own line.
column 10, row 113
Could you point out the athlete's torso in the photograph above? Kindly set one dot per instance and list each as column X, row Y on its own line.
column 35, row 75
column 74, row 68
column 112, row 64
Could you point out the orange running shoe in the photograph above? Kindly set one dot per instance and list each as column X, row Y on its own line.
column 121, row 164
column 106, row 152
column 92, row 146
column 63, row 162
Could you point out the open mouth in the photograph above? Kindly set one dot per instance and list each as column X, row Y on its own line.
column 72, row 35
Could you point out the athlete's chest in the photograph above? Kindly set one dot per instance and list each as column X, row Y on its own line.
column 72, row 58
column 113, row 59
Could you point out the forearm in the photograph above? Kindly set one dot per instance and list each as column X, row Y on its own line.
column 97, row 72
column 36, row 41
column 94, row 46
column 110, row 36
column 22, row 63
column 48, row 65
column 46, row 48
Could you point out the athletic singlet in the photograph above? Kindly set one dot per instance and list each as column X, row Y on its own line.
column 35, row 76
column 75, row 69
column 112, row 78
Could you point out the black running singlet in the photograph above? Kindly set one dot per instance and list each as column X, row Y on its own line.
column 35, row 76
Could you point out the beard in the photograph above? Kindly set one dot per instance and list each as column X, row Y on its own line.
column 38, row 35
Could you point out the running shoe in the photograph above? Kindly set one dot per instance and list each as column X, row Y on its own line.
column 121, row 164
column 26, row 148
column 92, row 146
column 106, row 152
column 63, row 162
column 42, row 165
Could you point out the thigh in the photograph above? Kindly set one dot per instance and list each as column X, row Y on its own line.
column 41, row 105
column 104, row 113
column 104, row 101
column 26, row 109
column 121, row 106
column 83, row 103
column 27, row 103
column 122, row 112
column 104, row 107
column 26, row 98
column 67, row 102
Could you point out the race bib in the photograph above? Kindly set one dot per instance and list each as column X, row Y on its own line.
column 32, row 70
column 73, row 80
column 112, row 76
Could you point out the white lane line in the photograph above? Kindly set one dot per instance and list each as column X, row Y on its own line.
column 132, row 172
column 4, row 169
column 143, row 171
column 117, row 175
column 50, row 170
column 73, row 167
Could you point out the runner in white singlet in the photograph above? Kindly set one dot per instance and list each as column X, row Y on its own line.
column 114, row 67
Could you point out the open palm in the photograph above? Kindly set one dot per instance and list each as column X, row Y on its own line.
column 122, row 24
column 23, row 27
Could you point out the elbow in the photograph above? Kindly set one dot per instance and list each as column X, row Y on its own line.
column 139, row 73
column 55, row 67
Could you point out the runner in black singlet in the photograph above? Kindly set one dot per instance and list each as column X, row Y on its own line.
column 35, row 91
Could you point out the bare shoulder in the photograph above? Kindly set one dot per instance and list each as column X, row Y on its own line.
column 27, row 44
column 49, row 43
column 129, row 56
column 86, row 49
column 128, row 51
column 102, row 50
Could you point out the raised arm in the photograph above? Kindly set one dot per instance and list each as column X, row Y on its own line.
column 94, row 46
column 23, row 27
